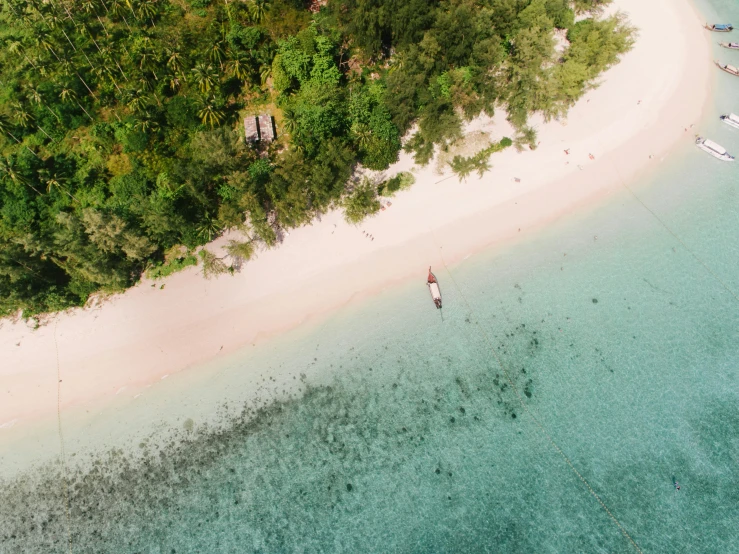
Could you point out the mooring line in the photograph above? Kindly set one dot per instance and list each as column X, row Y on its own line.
column 667, row 227
column 62, row 452
column 676, row 237
column 526, row 409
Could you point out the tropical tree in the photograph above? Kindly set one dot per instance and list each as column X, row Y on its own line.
column 265, row 73
column 9, row 171
column 205, row 76
column 210, row 114
column 21, row 115
column 68, row 95
column 238, row 67
column 216, row 52
column 258, row 10
column 147, row 9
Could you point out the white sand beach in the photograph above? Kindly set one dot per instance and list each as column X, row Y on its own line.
column 645, row 106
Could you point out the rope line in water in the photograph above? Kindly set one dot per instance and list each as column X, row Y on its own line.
column 526, row 409
column 667, row 227
column 62, row 452
column 676, row 237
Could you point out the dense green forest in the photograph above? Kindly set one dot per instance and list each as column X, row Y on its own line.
column 121, row 121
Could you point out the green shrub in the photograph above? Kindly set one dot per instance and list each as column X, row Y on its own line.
column 361, row 202
column 166, row 269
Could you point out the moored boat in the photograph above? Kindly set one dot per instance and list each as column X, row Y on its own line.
column 434, row 289
column 720, row 27
column 730, row 69
column 731, row 120
column 730, row 45
column 715, row 150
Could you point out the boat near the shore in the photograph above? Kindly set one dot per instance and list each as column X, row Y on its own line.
column 715, row 150
column 730, row 45
column 434, row 289
column 732, row 120
column 720, row 27
column 730, row 69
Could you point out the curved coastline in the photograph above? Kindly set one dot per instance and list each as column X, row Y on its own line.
column 641, row 110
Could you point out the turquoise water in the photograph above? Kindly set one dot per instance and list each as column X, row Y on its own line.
column 604, row 348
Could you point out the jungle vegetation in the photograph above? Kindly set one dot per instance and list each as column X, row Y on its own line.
column 121, row 121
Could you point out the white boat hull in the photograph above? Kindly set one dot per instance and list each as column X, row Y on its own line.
column 730, row 122
column 435, row 293
column 722, row 157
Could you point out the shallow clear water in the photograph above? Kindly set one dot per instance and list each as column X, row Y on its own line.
column 598, row 358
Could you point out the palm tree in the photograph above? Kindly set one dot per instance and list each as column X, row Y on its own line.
column 174, row 59
column 482, row 165
column 147, row 123
column 7, row 167
column 238, row 67
column 265, row 72
column 67, row 94
column 210, row 114
column 53, row 181
column 66, row 68
column 88, row 6
column 289, row 121
column 117, row 8
column 144, row 83
column 147, row 9
column 136, row 100
column 4, row 124
column 148, row 61
column 205, row 76
column 21, row 115
column 258, row 10
column 175, row 81
column 35, row 96
column 129, row 4
column 396, row 62
column 209, row 228
column 16, row 46
column 216, row 52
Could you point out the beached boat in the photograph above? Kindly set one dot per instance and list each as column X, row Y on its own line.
column 433, row 285
column 730, row 69
column 720, row 28
column 731, row 120
column 730, row 45
column 715, row 150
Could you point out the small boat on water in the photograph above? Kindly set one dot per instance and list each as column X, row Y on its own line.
column 434, row 289
column 715, row 150
column 720, row 28
column 731, row 120
column 730, row 69
column 730, row 45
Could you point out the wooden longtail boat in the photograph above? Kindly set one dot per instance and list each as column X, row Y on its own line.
column 720, row 28
column 730, row 69
column 434, row 289
column 730, row 45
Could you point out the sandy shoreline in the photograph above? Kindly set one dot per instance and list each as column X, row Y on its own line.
column 642, row 109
